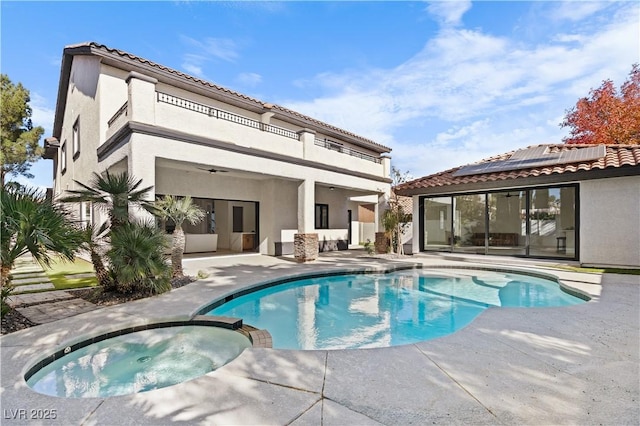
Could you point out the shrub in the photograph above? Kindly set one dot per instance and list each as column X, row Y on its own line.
column 5, row 292
column 137, row 259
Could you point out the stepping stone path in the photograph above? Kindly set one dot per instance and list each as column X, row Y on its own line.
column 45, row 306
column 30, row 281
column 54, row 310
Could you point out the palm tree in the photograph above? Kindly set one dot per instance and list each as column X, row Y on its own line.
column 31, row 224
column 114, row 192
column 178, row 210
column 92, row 242
column 137, row 258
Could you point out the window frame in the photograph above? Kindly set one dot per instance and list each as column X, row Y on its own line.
column 63, row 157
column 323, row 211
column 86, row 213
column 528, row 211
column 76, row 139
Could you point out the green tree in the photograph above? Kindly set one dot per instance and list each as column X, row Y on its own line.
column 394, row 218
column 137, row 258
column 20, row 140
column 178, row 210
column 93, row 242
column 136, row 255
column 31, row 224
column 114, row 193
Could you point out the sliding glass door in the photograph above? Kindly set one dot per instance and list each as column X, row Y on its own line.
column 552, row 220
column 507, row 222
column 469, row 212
column 437, row 223
column 536, row 222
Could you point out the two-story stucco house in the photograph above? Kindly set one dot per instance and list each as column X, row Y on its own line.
column 262, row 172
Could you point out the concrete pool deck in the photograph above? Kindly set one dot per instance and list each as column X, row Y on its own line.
column 568, row 365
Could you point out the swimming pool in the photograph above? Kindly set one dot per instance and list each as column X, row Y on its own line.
column 139, row 361
column 380, row 310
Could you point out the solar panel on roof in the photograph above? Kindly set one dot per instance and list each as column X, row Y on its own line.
column 538, row 156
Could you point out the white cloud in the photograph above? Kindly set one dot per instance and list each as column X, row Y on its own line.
column 249, row 79
column 193, row 69
column 448, row 12
column 492, row 93
column 577, row 10
column 42, row 113
column 209, row 49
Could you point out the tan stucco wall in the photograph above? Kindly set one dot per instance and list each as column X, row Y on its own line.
column 83, row 98
column 610, row 222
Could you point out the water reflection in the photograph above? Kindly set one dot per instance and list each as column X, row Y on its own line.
column 360, row 311
column 139, row 362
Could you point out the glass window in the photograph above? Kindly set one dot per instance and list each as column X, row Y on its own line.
column 552, row 222
column 507, row 222
column 86, row 213
column 63, row 157
column 322, row 216
column 536, row 222
column 76, row 139
column 437, row 223
column 469, row 223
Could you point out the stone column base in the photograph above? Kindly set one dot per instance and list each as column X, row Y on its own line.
column 305, row 247
column 382, row 243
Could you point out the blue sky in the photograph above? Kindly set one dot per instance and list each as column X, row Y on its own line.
column 442, row 83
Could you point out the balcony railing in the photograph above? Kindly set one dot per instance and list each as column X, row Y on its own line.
column 119, row 113
column 225, row 115
column 337, row 146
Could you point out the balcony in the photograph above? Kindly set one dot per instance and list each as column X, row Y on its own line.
column 233, row 127
column 339, row 147
column 224, row 115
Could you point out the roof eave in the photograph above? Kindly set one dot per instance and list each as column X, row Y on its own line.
column 116, row 59
column 567, row 177
column 63, row 83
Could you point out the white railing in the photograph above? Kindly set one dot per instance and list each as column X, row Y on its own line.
column 225, row 115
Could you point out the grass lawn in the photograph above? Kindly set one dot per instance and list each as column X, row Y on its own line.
column 61, row 274
column 598, row 270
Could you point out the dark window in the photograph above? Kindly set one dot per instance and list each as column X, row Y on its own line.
column 76, row 139
column 322, row 216
column 238, row 218
column 63, row 157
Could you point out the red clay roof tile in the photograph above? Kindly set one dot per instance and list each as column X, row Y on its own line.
column 231, row 92
column 616, row 156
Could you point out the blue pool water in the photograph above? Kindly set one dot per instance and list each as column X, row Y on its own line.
column 379, row 310
column 139, row 362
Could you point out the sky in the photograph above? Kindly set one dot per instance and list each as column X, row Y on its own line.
column 442, row 83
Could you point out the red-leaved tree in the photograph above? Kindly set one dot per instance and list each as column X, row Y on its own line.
column 606, row 116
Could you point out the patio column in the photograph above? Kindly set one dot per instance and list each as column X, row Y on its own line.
column 305, row 242
column 141, row 165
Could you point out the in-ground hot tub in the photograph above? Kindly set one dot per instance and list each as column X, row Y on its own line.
column 131, row 361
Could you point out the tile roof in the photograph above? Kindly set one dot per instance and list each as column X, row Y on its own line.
column 616, row 157
column 165, row 69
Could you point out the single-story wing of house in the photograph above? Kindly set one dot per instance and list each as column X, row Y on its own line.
column 560, row 201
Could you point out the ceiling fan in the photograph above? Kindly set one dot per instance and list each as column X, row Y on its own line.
column 212, row 170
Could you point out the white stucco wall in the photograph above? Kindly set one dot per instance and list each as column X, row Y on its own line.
column 610, row 222
column 97, row 91
column 83, row 99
